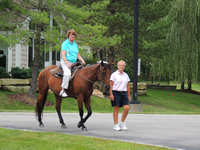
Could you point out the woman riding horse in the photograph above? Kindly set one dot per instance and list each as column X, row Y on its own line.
column 70, row 53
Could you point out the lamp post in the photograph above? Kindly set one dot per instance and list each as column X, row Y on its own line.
column 135, row 53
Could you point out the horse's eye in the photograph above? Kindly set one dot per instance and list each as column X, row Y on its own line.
column 104, row 73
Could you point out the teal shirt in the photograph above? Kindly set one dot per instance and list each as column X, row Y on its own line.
column 71, row 50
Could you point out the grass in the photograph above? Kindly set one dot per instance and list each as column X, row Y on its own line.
column 27, row 140
column 156, row 101
column 100, row 105
column 170, row 102
column 8, row 104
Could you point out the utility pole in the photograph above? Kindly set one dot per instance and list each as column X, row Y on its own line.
column 135, row 53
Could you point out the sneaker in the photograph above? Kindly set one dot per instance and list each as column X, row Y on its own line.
column 123, row 126
column 63, row 94
column 116, row 128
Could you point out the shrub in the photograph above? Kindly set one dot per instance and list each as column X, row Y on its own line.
column 21, row 73
column 3, row 73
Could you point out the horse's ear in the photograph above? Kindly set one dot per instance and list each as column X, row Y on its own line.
column 102, row 64
column 110, row 63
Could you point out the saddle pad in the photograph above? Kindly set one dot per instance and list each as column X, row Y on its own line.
column 57, row 72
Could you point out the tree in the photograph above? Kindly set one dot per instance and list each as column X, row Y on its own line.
column 183, row 39
column 153, row 28
column 111, row 14
column 37, row 12
column 118, row 17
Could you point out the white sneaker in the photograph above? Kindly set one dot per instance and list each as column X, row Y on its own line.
column 116, row 128
column 63, row 94
column 123, row 126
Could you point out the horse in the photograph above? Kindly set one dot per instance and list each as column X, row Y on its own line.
column 80, row 88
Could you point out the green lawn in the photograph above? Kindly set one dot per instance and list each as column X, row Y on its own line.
column 170, row 102
column 27, row 140
column 156, row 101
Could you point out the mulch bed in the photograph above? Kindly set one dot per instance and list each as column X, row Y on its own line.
column 24, row 98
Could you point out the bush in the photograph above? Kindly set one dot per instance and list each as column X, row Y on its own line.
column 21, row 73
column 3, row 73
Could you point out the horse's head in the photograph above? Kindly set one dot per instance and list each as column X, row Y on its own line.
column 104, row 75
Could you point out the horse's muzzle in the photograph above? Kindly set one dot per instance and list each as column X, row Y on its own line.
column 106, row 87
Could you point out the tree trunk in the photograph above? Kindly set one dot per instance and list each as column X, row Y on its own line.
column 33, row 84
column 111, row 57
column 182, row 85
column 111, row 9
column 189, row 84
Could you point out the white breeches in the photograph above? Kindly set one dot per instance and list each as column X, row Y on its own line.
column 66, row 74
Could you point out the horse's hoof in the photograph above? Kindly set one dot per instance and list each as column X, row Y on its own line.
column 41, row 125
column 79, row 124
column 63, row 126
column 84, row 129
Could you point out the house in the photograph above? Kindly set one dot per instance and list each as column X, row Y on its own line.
column 22, row 55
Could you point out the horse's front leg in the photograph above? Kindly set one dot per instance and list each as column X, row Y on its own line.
column 81, row 122
column 88, row 107
column 58, row 108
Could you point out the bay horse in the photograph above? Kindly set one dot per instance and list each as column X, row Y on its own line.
column 80, row 88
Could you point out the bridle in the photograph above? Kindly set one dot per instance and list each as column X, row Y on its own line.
column 101, row 76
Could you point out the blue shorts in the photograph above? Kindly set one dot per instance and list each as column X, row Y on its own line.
column 120, row 99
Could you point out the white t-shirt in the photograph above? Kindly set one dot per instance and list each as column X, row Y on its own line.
column 120, row 81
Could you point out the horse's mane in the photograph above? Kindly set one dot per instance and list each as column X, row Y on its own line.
column 105, row 66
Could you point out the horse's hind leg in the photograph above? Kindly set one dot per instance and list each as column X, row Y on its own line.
column 40, row 106
column 58, row 108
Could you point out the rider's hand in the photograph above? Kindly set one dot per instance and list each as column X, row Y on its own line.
column 83, row 62
column 68, row 65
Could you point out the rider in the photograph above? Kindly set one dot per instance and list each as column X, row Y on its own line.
column 70, row 53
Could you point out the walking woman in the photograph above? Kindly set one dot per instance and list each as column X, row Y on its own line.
column 120, row 95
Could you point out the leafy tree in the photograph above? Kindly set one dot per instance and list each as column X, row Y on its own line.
column 183, row 39
column 112, row 14
column 118, row 17
column 38, row 13
column 153, row 28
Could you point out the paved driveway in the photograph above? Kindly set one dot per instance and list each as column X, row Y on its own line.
column 173, row 131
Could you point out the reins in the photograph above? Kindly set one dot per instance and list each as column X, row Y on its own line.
column 92, row 81
column 85, row 78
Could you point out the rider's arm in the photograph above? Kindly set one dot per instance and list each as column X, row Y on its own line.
column 63, row 53
column 80, row 58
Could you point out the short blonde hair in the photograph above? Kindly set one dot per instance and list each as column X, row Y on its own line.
column 121, row 61
column 73, row 32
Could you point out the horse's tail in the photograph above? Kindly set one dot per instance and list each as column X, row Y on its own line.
column 43, row 91
column 37, row 108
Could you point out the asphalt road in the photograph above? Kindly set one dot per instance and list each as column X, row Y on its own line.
column 172, row 131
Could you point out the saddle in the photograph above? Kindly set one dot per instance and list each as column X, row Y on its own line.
column 58, row 72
